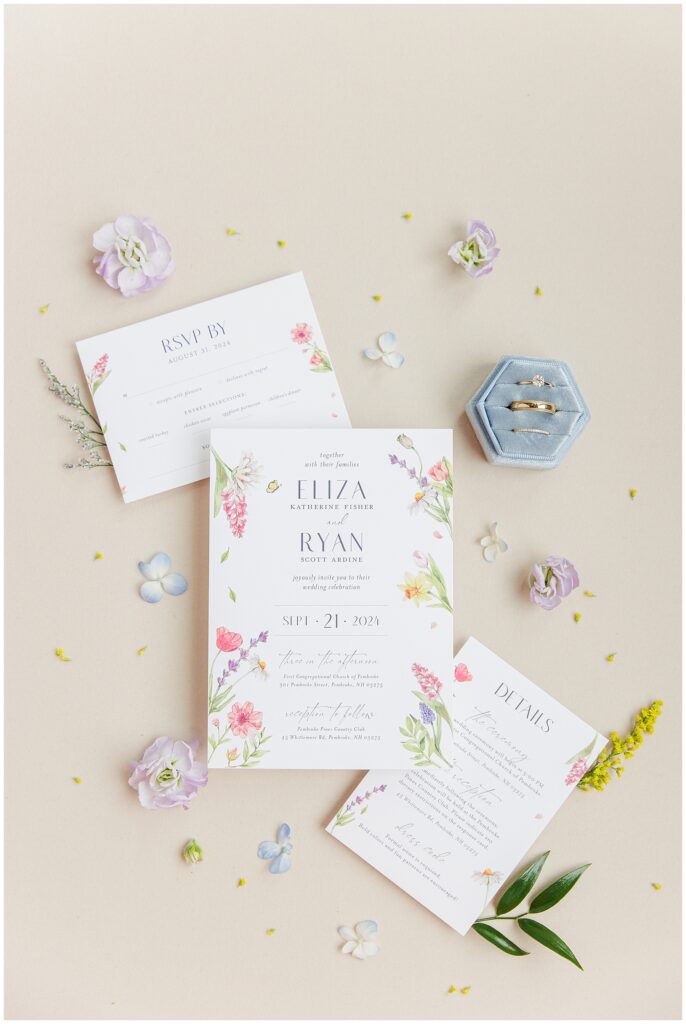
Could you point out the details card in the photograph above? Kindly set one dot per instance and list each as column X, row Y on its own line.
column 450, row 839
column 330, row 609
column 253, row 358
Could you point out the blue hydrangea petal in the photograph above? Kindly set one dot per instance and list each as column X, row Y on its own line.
column 151, row 591
column 174, row 583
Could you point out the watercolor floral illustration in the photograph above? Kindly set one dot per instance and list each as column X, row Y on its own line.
column 99, row 373
column 230, row 487
column 433, row 487
column 303, row 335
column 427, row 585
column 423, row 732
column 356, row 807
column 232, row 723
column 488, row 878
column 578, row 763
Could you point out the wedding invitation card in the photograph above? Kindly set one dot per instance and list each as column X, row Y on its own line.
column 450, row 839
column 330, row 608
column 253, row 358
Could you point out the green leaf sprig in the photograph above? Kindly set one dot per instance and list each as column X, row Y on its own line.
column 544, row 900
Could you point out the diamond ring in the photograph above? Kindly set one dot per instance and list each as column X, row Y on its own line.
column 538, row 382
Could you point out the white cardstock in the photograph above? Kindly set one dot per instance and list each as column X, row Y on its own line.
column 330, row 608
column 252, row 358
column 450, row 839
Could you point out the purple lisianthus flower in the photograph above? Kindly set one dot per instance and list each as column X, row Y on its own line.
column 167, row 775
column 135, row 255
column 552, row 580
column 478, row 252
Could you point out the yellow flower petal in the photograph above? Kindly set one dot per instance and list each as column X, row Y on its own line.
column 377, row 298
column 61, row 655
column 270, row 931
column 656, row 885
column 141, row 651
column 76, row 779
column 230, row 231
column 466, row 990
column 577, row 616
column 97, row 556
column 588, row 593
column 280, row 244
column 241, row 882
column 632, row 493
column 44, row 309
column 611, row 657
column 407, row 216
column 453, row 988
column 538, row 291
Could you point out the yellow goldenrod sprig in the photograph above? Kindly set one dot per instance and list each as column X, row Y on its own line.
column 620, row 749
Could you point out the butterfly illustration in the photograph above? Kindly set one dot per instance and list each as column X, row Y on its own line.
column 387, row 343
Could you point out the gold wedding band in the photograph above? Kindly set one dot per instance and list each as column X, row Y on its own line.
column 537, row 381
column 530, row 430
column 531, row 405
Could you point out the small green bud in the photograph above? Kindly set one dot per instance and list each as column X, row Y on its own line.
column 192, row 853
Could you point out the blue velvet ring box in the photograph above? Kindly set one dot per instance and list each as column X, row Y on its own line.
column 493, row 421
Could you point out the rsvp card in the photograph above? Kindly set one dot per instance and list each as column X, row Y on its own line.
column 253, row 358
column 330, row 609
column 450, row 839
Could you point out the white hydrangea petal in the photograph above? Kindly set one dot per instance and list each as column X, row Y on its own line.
column 104, row 237
column 372, row 353
column 490, row 552
column 347, row 933
column 358, row 951
column 387, row 341
column 365, row 929
column 160, row 565
column 151, row 591
column 369, row 948
column 349, row 947
column 394, row 360
column 174, row 583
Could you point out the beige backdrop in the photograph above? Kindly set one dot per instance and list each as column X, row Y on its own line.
column 561, row 128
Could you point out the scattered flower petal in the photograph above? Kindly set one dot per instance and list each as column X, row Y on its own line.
column 141, row 651
column 279, row 852
column 61, row 655
column 407, row 216
column 167, row 774
column 387, row 343
column 478, row 253
column 280, row 244
column 632, row 493
column 453, row 988
column 241, row 883
column 577, row 616
column 44, row 309
column 538, row 291
column 133, row 255
column 97, row 556
column 358, row 943
column 588, row 593
column 230, row 231
column 611, row 657
column 270, row 931
column 76, row 779
column 377, row 298
column 159, row 580
column 492, row 544
column 656, row 885
column 466, row 990
column 192, row 852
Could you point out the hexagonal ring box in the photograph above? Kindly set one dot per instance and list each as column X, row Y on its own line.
column 530, row 438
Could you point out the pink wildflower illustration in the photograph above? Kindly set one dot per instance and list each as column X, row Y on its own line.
column 236, row 509
column 100, row 367
column 243, row 719
column 428, row 682
column 301, row 334
column 576, row 772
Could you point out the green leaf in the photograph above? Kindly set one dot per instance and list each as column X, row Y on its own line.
column 122, row 446
column 556, row 891
column 441, row 710
column 225, row 555
column 220, row 481
column 232, row 595
column 498, row 939
column 521, row 887
column 583, row 753
column 541, row 934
